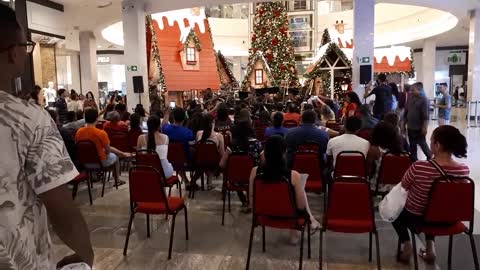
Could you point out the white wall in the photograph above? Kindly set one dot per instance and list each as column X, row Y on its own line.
column 46, row 19
column 113, row 73
column 441, row 67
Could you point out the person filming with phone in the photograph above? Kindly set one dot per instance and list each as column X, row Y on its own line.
column 383, row 96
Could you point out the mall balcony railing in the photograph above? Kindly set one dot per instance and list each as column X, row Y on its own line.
column 473, row 114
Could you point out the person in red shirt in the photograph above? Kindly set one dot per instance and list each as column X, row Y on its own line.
column 353, row 103
column 446, row 142
column 292, row 114
column 115, row 124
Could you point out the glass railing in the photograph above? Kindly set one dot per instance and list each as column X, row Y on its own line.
column 233, row 11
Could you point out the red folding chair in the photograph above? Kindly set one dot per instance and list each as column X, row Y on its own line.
column 83, row 176
column 205, row 159
column 88, row 157
column 343, row 216
column 333, row 125
column 274, row 206
column 227, row 138
column 350, row 163
column 309, row 162
column 99, row 124
column 290, row 124
column 147, row 196
column 236, row 177
column 260, row 132
column 133, row 135
column 150, row 158
column 365, row 133
column 451, row 205
column 176, row 156
column 120, row 141
column 392, row 169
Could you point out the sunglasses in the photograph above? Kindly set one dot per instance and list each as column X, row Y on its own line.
column 29, row 46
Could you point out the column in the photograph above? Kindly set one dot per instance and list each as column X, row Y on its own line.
column 23, row 84
column 428, row 67
column 133, row 15
column 473, row 84
column 363, row 38
column 88, row 63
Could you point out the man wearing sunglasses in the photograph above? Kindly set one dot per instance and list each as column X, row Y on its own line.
column 34, row 168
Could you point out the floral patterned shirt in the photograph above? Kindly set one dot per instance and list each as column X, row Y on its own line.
column 33, row 160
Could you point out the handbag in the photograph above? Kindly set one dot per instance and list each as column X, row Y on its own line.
column 392, row 205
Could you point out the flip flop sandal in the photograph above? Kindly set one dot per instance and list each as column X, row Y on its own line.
column 428, row 259
column 314, row 230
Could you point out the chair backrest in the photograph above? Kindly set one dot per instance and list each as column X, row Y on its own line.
column 133, row 135
column 290, row 124
column 349, row 199
column 99, row 124
column 365, row 133
column 332, row 124
column 350, row 163
column 119, row 140
column 393, row 168
column 87, row 153
column 206, row 155
column 146, row 185
column 149, row 158
column 260, row 132
column 239, row 166
column 273, row 199
column 227, row 138
column 309, row 163
column 309, row 147
column 176, row 155
column 451, row 201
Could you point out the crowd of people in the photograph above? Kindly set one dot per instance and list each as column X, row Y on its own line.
column 39, row 166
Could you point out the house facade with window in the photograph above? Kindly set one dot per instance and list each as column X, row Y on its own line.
column 258, row 74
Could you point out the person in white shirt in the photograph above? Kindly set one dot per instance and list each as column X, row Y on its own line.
column 348, row 141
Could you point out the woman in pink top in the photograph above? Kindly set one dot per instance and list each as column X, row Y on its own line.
column 446, row 142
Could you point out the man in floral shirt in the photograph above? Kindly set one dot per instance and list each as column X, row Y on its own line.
column 34, row 167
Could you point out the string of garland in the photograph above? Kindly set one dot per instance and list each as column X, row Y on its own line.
column 213, row 45
column 221, row 61
column 258, row 56
column 325, row 37
column 193, row 37
column 156, row 57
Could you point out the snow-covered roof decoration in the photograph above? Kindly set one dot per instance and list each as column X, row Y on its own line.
column 192, row 15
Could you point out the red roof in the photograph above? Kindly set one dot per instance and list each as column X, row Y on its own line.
column 169, row 46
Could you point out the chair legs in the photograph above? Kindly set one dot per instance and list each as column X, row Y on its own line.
column 250, row 246
column 229, row 202
column 302, row 236
column 450, row 240
column 377, row 242
column 172, row 231
column 89, row 189
column 474, row 252
column 321, row 250
column 103, row 185
column 309, row 249
column 132, row 215
column 263, row 239
column 148, row 225
column 74, row 191
column 370, row 247
column 186, row 223
column 223, row 209
column 414, row 253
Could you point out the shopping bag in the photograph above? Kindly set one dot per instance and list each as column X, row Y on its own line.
column 392, row 205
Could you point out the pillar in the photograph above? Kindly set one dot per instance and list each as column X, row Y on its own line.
column 23, row 85
column 473, row 85
column 133, row 16
column 363, row 38
column 428, row 67
column 88, row 63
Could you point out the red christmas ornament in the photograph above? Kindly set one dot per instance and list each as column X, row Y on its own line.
column 276, row 13
column 282, row 30
column 264, row 30
column 254, row 37
column 274, row 42
column 269, row 57
column 282, row 67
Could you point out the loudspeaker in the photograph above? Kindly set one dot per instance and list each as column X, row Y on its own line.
column 365, row 74
column 137, row 84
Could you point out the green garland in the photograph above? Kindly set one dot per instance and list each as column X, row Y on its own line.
column 270, row 36
column 192, row 36
column 331, row 47
column 156, row 57
column 258, row 56
column 325, row 37
column 213, row 47
column 222, row 61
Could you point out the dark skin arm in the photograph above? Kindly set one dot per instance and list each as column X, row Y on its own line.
column 68, row 224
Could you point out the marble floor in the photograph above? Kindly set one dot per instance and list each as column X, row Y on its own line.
column 213, row 246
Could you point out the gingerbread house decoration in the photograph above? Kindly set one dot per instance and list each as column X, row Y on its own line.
column 186, row 54
column 258, row 73
column 227, row 79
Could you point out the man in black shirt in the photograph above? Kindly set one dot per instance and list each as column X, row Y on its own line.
column 383, row 96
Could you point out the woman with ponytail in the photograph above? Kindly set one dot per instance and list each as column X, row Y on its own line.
column 446, row 143
column 158, row 142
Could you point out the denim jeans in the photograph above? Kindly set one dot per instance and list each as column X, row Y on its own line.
column 415, row 137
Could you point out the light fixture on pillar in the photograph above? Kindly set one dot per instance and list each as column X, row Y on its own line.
column 340, row 27
column 344, row 84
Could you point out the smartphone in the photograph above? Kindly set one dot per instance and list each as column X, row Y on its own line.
column 172, row 104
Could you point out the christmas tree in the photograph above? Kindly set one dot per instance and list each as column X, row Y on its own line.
column 270, row 36
column 325, row 37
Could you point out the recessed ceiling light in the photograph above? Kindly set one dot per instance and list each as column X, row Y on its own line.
column 99, row 46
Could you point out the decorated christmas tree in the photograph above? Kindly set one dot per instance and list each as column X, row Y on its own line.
column 325, row 37
column 270, row 37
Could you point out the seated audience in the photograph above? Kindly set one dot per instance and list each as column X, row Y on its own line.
column 122, row 111
column 135, row 122
column 274, row 168
column 446, row 142
column 277, row 127
column 348, row 141
column 307, row 132
column 223, row 122
column 368, row 121
column 141, row 111
column 108, row 109
column 108, row 155
column 158, row 142
column 292, row 114
column 115, row 124
column 72, row 122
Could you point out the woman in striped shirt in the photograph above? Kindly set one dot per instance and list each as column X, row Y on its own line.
column 446, row 142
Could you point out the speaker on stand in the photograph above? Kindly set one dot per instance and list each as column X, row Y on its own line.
column 138, row 87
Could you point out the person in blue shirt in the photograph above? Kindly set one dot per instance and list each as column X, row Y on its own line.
column 277, row 128
column 307, row 132
column 444, row 106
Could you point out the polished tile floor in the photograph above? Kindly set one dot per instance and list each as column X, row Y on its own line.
column 212, row 246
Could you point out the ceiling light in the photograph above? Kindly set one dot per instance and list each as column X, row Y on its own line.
column 99, row 46
column 6, row 0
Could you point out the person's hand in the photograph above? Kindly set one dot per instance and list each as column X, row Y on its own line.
column 228, row 150
column 71, row 259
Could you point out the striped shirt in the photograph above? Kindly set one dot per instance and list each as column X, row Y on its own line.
column 418, row 181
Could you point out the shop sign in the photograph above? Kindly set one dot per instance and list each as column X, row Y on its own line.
column 457, row 58
column 103, row 60
column 132, row 68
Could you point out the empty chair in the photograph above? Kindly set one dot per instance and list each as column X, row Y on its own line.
column 350, row 163
column 346, row 216
column 392, row 169
column 83, row 176
column 206, row 159
column 308, row 162
column 147, row 196
column 120, row 141
column 274, row 206
column 236, row 177
column 451, row 205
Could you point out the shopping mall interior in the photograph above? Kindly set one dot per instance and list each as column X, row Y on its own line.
column 175, row 51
